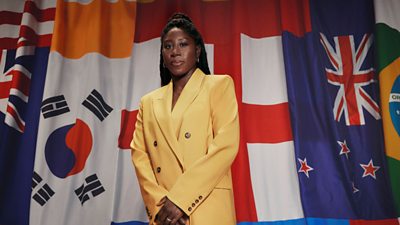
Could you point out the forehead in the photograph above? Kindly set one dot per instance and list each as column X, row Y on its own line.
column 176, row 33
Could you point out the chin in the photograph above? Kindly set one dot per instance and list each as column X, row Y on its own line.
column 178, row 73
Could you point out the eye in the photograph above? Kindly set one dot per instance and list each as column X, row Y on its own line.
column 183, row 44
column 167, row 46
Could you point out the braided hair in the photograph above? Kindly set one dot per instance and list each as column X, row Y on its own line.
column 183, row 22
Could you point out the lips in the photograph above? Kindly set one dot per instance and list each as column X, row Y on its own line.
column 176, row 63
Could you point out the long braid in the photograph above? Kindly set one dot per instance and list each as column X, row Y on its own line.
column 164, row 72
column 182, row 21
column 203, row 62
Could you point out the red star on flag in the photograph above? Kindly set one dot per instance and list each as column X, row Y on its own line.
column 369, row 169
column 344, row 149
column 304, row 167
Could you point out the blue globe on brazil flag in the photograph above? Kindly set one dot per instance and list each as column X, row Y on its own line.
column 394, row 104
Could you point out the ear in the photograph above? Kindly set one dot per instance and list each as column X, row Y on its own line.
column 198, row 51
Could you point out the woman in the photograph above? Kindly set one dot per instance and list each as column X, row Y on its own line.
column 187, row 135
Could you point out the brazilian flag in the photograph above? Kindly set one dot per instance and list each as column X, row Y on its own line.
column 388, row 67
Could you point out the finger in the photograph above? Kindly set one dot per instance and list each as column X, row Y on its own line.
column 173, row 212
column 168, row 213
column 167, row 221
column 171, row 218
column 179, row 221
column 176, row 217
column 182, row 221
column 162, row 201
column 161, row 215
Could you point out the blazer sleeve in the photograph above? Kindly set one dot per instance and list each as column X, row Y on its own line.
column 200, row 179
column 151, row 192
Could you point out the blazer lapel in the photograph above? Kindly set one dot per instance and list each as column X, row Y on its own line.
column 162, row 112
column 189, row 93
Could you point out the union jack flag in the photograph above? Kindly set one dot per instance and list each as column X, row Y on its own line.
column 347, row 59
column 15, row 79
column 25, row 32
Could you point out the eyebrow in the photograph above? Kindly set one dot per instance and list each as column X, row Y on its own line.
column 178, row 39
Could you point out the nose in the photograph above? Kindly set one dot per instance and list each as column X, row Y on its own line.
column 175, row 51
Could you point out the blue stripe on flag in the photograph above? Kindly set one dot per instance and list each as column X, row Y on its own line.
column 282, row 222
column 319, row 221
column 306, row 221
column 130, row 223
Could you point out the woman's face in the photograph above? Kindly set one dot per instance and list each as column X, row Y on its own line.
column 179, row 52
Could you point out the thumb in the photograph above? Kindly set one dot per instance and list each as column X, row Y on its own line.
column 162, row 201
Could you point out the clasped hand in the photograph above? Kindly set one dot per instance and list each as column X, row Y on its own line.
column 170, row 214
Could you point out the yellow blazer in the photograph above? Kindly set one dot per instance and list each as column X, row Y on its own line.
column 192, row 168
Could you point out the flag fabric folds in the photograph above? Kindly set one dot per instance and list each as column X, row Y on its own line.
column 388, row 69
column 80, row 171
column 333, row 96
column 317, row 84
column 25, row 36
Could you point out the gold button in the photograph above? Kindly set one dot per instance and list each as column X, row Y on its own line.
column 158, row 169
column 200, row 197
column 155, row 143
column 190, row 209
column 193, row 205
column 197, row 201
column 187, row 135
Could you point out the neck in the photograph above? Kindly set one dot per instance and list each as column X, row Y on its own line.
column 180, row 81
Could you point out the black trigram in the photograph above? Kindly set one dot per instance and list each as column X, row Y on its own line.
column 92, row 185
column 95, row 103
column 54, row 106
column 43, row 195
column 36, row 179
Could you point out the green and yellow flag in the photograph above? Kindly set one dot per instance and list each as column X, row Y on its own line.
column 388, row 68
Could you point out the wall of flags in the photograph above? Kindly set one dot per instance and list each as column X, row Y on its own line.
column 319, row 102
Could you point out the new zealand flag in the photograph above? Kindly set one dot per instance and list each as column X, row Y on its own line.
column 333, row 97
